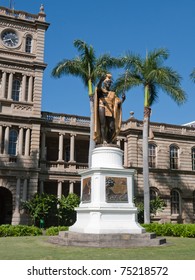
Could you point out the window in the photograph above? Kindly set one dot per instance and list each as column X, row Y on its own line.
column 13, row 137
column 152, row 155
column 175, row 202
column 194, row 202
column 16, row 90
column 28, row 47
column 193, row 158
column 153, row 193
column 174, row 157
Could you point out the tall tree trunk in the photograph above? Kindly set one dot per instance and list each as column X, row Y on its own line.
column 146, row 166
column 91, row 141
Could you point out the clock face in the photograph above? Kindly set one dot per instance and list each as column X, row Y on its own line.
column 10, row 38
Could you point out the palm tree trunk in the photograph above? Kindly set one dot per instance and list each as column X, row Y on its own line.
column 146, row 166
column 91, row 141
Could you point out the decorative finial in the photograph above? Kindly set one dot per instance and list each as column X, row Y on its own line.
column 131, row 114
column 42, row 9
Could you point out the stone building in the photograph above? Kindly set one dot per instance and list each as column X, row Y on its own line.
column 44, row 151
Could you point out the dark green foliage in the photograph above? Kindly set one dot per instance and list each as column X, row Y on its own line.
column 42, row 207
column 47, row 210
column 168, row 229
column 67, row 214
column 156, row 204
column 19, row 230
column 55, row 230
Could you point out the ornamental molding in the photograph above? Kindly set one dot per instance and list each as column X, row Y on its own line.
column 10, row 68
column 20, row 27
column 22, row 107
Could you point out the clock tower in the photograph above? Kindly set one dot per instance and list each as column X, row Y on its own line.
column 22, row 39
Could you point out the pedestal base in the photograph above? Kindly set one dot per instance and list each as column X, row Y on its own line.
column 107, row 240
column 110, row 220
column 107, row 196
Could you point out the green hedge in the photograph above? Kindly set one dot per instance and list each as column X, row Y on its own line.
column 19, row 230
column 168, row 229
column 55, row 230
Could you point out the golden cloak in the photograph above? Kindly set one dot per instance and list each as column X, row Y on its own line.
column 113, row 108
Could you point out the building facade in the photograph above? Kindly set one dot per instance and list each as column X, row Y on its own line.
column 44, row 151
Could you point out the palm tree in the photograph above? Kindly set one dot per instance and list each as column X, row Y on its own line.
column 192, row 76
column 150, row 73
column 89, row 68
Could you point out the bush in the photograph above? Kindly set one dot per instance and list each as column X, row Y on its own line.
column 67, row 214
column 47, row 210
column 156, row 204
column 42, row 207
column 19, row 230
column 55, row 230
column 168, row 229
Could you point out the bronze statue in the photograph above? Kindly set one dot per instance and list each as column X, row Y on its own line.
column 107, row 112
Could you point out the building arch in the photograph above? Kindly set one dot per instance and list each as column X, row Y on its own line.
column 5, row 206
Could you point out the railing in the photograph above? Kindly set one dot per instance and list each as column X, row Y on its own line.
column 22, row 14
column 66, row 119
column 66, row 165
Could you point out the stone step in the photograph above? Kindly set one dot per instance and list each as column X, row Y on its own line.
column 107, row 240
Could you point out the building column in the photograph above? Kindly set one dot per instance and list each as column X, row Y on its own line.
column 118, row 142
column 21, row 137
column 23, row 88
column 30, row 88
column 1, row 138
column 3, row 87
column 59, row 191
column 6, row 140
column 72, row 147
column 125, row 153
column 17, row 202
column 60, row 149
column 43, row 138
column 24, row 195
column 71, row 186
column 27, row 142
column 10, row 84
column 41, row 186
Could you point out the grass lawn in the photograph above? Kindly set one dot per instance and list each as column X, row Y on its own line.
column 37, row 248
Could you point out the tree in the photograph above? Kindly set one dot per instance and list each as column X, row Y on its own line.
column 89, row 68
column 192, row 75
column 150, row 73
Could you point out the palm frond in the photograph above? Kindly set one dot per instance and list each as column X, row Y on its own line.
column 192, row 76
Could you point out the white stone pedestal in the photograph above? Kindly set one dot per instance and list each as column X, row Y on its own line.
column 107, row 196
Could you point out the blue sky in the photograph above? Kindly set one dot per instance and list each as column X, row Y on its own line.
column 114, row 27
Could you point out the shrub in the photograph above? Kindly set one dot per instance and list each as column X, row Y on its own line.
column 47, row 210
column 156, row 204
column 67, row 213
column 168, row 229
column 42, row 207
column 19, row 230
column 55, row 230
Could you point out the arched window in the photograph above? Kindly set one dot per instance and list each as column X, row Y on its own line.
column 175, row 202
column 153, row 193
column 174, row 159
column 152, row 155
column 28, row 46
column 13, row 138
column 193, row 158
column 16, row 90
